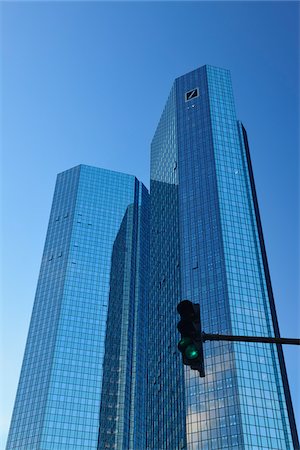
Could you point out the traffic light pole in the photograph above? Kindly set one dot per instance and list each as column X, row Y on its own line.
column 261, row 339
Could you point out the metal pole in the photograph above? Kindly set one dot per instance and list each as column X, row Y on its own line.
column 261, row 339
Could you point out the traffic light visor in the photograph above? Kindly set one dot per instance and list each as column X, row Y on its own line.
column 186, row 308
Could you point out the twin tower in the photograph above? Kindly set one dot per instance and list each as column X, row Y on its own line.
column 101, row 368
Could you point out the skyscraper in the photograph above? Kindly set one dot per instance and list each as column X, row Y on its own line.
column 207, row 246
column 101, row 346
column 96, row 248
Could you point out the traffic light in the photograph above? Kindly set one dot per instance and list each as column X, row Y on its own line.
column 190, row 344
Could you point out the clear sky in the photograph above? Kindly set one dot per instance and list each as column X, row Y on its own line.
column 86, row 83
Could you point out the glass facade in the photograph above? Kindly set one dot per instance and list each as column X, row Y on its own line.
column 101, row 368
column 123, row 402
column 95, row 251
column 207, row 246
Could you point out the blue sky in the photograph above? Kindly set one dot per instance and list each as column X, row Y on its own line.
column 87, row 82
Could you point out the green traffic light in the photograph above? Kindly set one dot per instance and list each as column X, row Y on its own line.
column 183, row 343
column 191, row 352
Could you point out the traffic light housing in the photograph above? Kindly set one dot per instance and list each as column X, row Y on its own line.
column 190, row 344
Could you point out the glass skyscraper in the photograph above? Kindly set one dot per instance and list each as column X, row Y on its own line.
column 101, row 368
column 206, row 245
column 96, row 249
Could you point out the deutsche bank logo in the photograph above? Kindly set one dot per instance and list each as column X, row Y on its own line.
column 191, row 94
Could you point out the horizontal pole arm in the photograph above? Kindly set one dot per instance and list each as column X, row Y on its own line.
column 268, row 340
